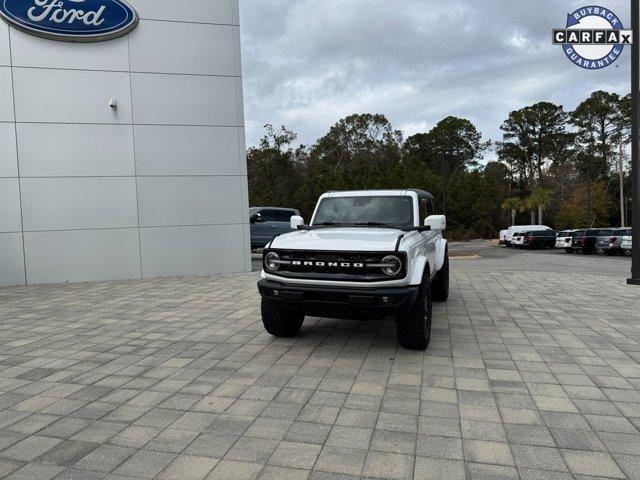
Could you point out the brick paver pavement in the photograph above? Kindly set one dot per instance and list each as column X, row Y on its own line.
column 531, row 375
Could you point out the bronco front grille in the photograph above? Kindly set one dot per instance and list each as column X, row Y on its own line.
column 342, row 266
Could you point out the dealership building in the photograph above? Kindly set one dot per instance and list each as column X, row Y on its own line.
column 124, row 158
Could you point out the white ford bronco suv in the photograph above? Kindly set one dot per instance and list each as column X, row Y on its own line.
column 365, row 254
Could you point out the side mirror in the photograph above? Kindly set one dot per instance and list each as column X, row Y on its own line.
column 296, row 221
column 436, row 222
column 256, row 218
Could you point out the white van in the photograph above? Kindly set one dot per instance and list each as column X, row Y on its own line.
column 522, row 228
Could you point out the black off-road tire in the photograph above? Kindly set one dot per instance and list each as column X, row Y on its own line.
column 414, row 328
column 440, row 285
column 568, row 250
column 628, row 253
column 279, row 322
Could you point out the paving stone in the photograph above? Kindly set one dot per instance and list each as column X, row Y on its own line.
column 30, row 448
column 271, row 472
column 440, row 426
column 594, row 464
column 67, row 453
column 478, row 451
column 275, row 429
column 73, row 474
column 8, row 466
column 529, row 435
column 476, row 430
column 341, row 460
column 231, row 470
column 188, row 467
column 478, row 471
column 252, row 450
column 295, row 455
column 308, row 433
column 439, row 447
column 35, row 471
column 438, row 468
column 105, row 458
column 388, row 465
column 145, row 464
column 350, row 437
column 394, row 442
column 577, row 439
column 171, row 441
column 544, row 458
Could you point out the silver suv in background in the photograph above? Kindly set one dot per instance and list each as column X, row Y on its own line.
column 267, row 222
column 563, row 240
column 609, row 242
column 627, row 244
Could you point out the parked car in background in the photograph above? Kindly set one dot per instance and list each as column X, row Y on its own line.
column 563, row 240
column 627, row 244
column 539, row 239
column 609, row 242
column 585, row 240
column 519, row 229
column 517, row 240
column 503, row 237
column 266, row 222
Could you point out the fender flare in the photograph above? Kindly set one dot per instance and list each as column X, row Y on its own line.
column 443, row 248
column 417, row 274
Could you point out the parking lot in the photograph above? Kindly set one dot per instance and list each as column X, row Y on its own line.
column 533, row 372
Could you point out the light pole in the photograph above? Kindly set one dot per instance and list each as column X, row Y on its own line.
column 635, row 142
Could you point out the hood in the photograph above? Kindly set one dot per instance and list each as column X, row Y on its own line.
column 341, row 239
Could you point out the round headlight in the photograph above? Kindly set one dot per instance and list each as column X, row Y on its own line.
column 392, row 265
column 271, row 261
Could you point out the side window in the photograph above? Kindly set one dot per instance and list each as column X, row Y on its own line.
column 285, row 215
column 424, row 210
column 269, row 215
column 430, row 207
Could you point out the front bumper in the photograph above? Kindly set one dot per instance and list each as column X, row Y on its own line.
column 340, row 302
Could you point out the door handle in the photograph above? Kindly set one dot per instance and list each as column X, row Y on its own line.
column 273, row 226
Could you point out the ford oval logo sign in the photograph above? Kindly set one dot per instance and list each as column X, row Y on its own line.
column 71, row 20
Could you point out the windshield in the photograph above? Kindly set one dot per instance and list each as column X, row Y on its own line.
column 363, row 211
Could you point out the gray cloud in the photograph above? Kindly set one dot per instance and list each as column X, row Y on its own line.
column 308, row 63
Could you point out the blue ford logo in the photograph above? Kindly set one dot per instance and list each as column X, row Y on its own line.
column 71, row 20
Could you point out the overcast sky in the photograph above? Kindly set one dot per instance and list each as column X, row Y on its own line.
column 308, row 63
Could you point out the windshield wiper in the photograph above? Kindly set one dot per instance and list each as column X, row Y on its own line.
column 375, row 224
column 326, row 224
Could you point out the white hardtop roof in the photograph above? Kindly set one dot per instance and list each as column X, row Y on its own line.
column 370, row 193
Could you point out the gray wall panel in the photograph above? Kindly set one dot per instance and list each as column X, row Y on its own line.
column 10, row 205
column 8, row 155
column 78, row 203
column 11, row 259
column 177, row 150
column 80, row 96
column 50, row 150
column 184, row 100
column 82, row 255
column 5, row 53
column 6, row 98
column 170, row 47
column 167, row 201
column 30, row 51
column 191, row 250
